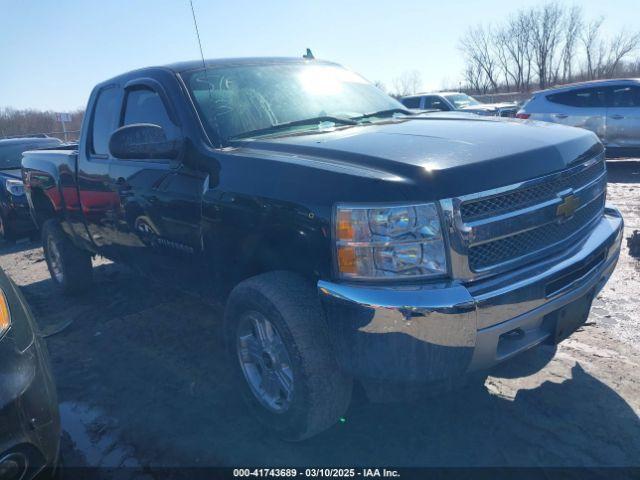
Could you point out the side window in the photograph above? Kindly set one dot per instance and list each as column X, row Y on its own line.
column 105, row 118
column 412, row 102
column 586, row 97
column 435, row 103
column 146, row 106
column 626, row 96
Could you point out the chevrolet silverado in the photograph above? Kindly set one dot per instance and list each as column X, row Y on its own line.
column 360, row 242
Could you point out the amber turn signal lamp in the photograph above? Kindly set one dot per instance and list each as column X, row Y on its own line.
column 345, row 229
column 5, row 317
column 347, row 260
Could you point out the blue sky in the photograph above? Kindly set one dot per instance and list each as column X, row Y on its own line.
column 54, row 51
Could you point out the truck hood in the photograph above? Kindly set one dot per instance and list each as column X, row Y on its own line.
column 452, row 154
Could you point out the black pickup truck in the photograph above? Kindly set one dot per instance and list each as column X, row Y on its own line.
column 360, row 242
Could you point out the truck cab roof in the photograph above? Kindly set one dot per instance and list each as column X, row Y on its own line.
column 188, row 65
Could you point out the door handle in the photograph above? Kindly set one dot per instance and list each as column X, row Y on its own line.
column 561, row 115
column 617, row 116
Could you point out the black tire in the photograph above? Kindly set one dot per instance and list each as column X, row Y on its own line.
column 74, row 272
column 321, row 392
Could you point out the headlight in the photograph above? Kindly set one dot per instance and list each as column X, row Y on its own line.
column 375, row 242
column 5, row 317
column 14, row 187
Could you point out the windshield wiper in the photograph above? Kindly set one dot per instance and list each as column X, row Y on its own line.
column 384, row 113
column 294, row 123
column 11, row 168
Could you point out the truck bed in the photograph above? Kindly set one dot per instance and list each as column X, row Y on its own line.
column 50, row 180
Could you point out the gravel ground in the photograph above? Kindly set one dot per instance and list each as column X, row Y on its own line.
column 142, row 382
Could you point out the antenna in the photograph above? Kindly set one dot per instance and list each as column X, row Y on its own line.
column 214, row 119
column 195, row 23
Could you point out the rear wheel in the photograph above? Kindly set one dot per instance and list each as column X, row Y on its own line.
column 279, row 345
column 70, row 267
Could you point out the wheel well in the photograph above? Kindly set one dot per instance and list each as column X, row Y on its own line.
column 42, row 207
column 269, row 255
column 256, row 260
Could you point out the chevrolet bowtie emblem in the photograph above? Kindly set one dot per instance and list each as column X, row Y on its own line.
column 567, row 208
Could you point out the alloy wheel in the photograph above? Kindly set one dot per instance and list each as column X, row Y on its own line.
column 55, row 260
column 265, row 362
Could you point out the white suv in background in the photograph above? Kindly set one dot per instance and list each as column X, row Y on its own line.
column 449, row 101
column 609, row 108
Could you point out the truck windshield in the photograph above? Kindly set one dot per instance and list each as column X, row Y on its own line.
column 248, row 100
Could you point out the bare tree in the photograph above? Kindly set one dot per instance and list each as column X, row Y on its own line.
column 546, row 28
column 513, row 42
column 502, row 49
column 592, row 47
column 477, row 45
column 620, row 46
column 548, row 44
column 573, row 25
column 473, row 75
column 524, row 22
column 408, row 83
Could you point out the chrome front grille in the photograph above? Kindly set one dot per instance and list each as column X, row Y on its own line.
column 531, row 241
column 524, row 197
column 506, row 227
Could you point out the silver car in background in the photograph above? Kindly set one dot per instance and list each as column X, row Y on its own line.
column 609, row 108
column 449, row 101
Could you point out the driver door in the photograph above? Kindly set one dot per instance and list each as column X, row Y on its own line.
column 158, row 221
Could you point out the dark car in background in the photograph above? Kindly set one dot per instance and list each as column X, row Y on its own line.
column 450, row 101
column 14, row 210
column 29, row 418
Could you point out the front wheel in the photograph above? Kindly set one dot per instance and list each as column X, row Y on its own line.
column 279, row 345
column 70, row 267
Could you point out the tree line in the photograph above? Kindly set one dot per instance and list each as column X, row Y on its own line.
column 14, row 123
column 542, row 46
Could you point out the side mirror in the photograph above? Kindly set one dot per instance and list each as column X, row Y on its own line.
column 143, row 141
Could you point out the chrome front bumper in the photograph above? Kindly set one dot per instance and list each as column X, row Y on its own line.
column 432, row 332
